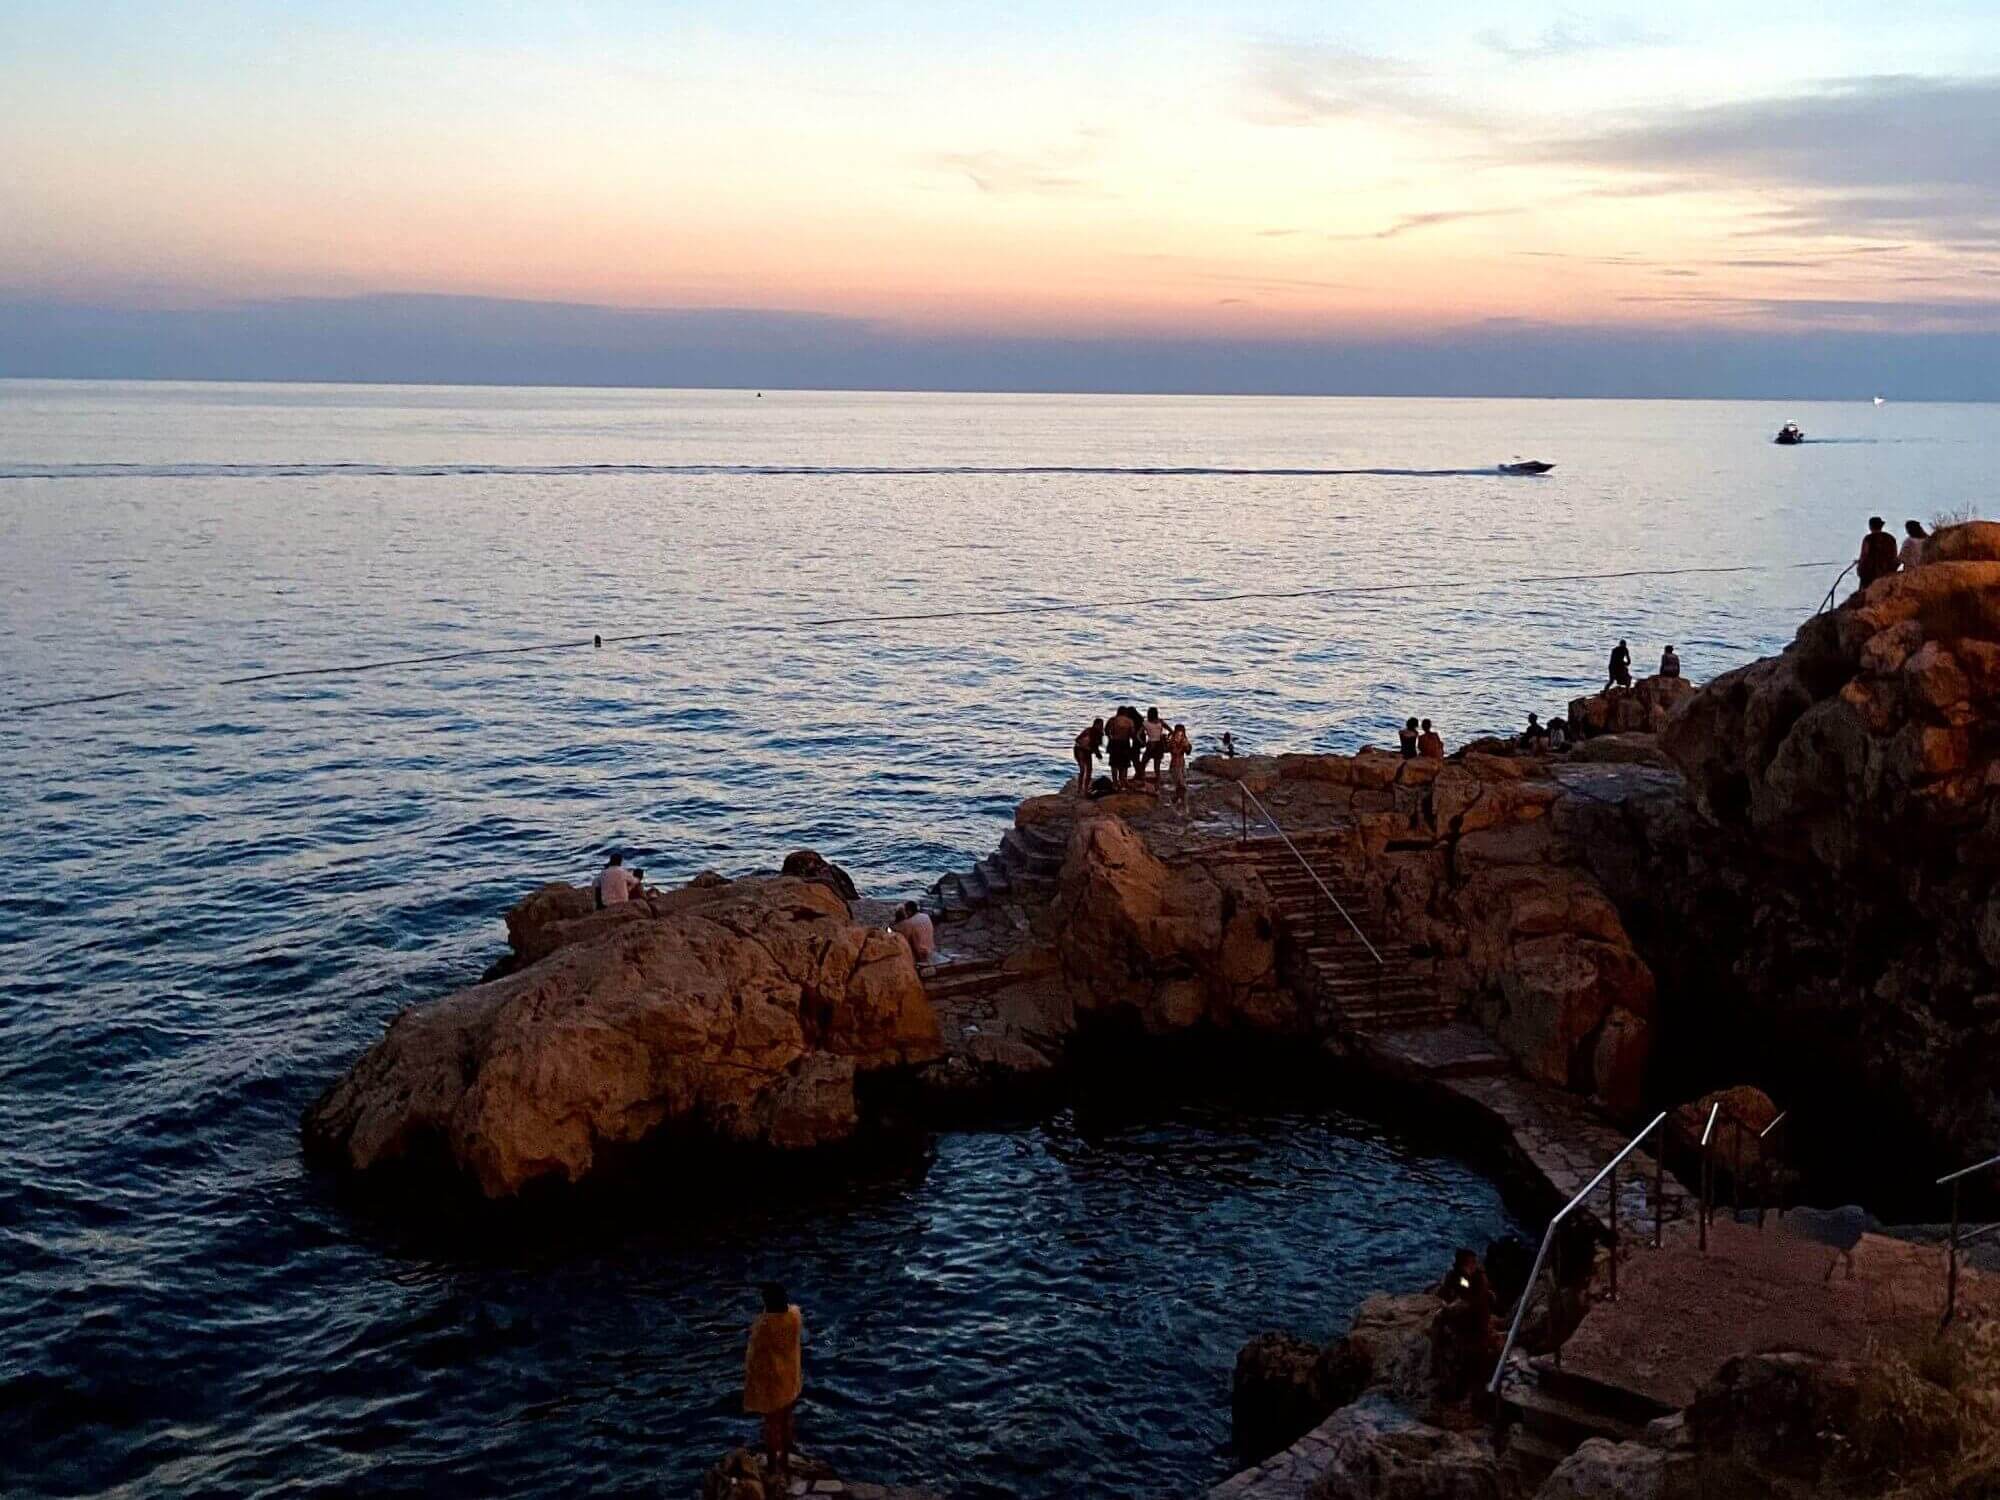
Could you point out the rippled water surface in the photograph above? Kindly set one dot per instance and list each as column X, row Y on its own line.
column 212, row 895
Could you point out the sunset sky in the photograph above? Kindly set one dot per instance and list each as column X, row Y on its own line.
column 1373, row 172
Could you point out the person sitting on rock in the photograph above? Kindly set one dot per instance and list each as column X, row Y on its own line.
column 1915, row 545
column 1878, row 554
column 1464, row 1347
column 1670, row 663
column 1535, row 736
column 913, row 925
column 1088, row 744
column 1407, row 737
column 1178, row 746
column 773, row 1373
column 1430, row 745
column 1558, row 735
column 614, row 882
column 1620, row 674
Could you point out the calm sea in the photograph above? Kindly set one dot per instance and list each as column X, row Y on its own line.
column 211, row 896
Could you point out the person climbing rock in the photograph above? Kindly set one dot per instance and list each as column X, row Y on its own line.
column 773, row 1372
column 1878, row 554
column 1620, row 673
column 1430, row 745
column 1088, row 746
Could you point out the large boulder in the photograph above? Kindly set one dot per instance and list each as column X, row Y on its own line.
column 1273, row 1400
column 1374, row 1450
column 1172, row 946
column 1601, row 1469
column 1642, row 708
column 742, row 1012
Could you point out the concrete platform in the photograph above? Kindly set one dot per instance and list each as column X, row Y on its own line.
column 1681, row 1313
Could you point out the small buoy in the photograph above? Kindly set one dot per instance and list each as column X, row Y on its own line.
column 598, row 641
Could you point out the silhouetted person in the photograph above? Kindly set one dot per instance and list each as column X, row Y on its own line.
column 1558, row 734
column 1914, row 545
column 1088, row 744
column 1670, row 663
column 1878, row 554
column 1429, row 745
column 773, row 1372
column 1535, row 736
column 1407, row 737
column 1620, row 673
column 1464, row 1346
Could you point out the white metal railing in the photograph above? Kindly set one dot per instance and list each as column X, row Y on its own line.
column 1608, row 1170
column 1961, row 1236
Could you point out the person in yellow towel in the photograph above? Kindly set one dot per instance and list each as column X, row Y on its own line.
column 773, row 1372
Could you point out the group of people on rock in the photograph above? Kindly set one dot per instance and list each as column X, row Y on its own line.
column 1131, row 742
column 1880, row 555
column 1417, row 738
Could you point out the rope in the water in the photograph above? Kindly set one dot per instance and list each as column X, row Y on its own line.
column 766, row 627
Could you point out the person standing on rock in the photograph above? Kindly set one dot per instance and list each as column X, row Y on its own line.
column 1878, row 554
column 1123, row 734
column 773, row 1372
column 1430, row 744
column 1621, row 666
column 1178, row 745
column 614, row 882
column 1156, row 746
column 1088, row 744
column 1407, row 738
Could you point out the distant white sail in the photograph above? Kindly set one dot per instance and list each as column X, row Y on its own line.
column 1878, row 400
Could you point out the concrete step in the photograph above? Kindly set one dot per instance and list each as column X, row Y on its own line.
column 998, row 885
column 1579, row 1390
column 1563, row 1420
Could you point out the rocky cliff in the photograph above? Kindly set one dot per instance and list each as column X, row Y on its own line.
column 741, row 1011
column 1832, row 892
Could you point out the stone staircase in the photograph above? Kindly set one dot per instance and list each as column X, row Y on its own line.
column 1354, row 993
column 1549, row 1412
column 1024, row 867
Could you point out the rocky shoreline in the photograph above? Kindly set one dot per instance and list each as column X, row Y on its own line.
column 1784, row 877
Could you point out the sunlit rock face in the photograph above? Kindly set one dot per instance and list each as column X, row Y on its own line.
column 737, row 1011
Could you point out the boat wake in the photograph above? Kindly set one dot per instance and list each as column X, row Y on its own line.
column 423, row 471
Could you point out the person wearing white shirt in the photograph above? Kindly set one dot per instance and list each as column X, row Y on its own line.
column 615, row 883
column 1914, row 546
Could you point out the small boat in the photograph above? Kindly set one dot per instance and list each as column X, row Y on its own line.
column 1878, row 400
column 1526, row 466
column 1790, row 434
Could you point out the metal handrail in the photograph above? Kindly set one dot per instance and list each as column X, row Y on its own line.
column 1960, row 1236
column 1609, row 1169
column 1306, row 864
column 1978, row 1166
